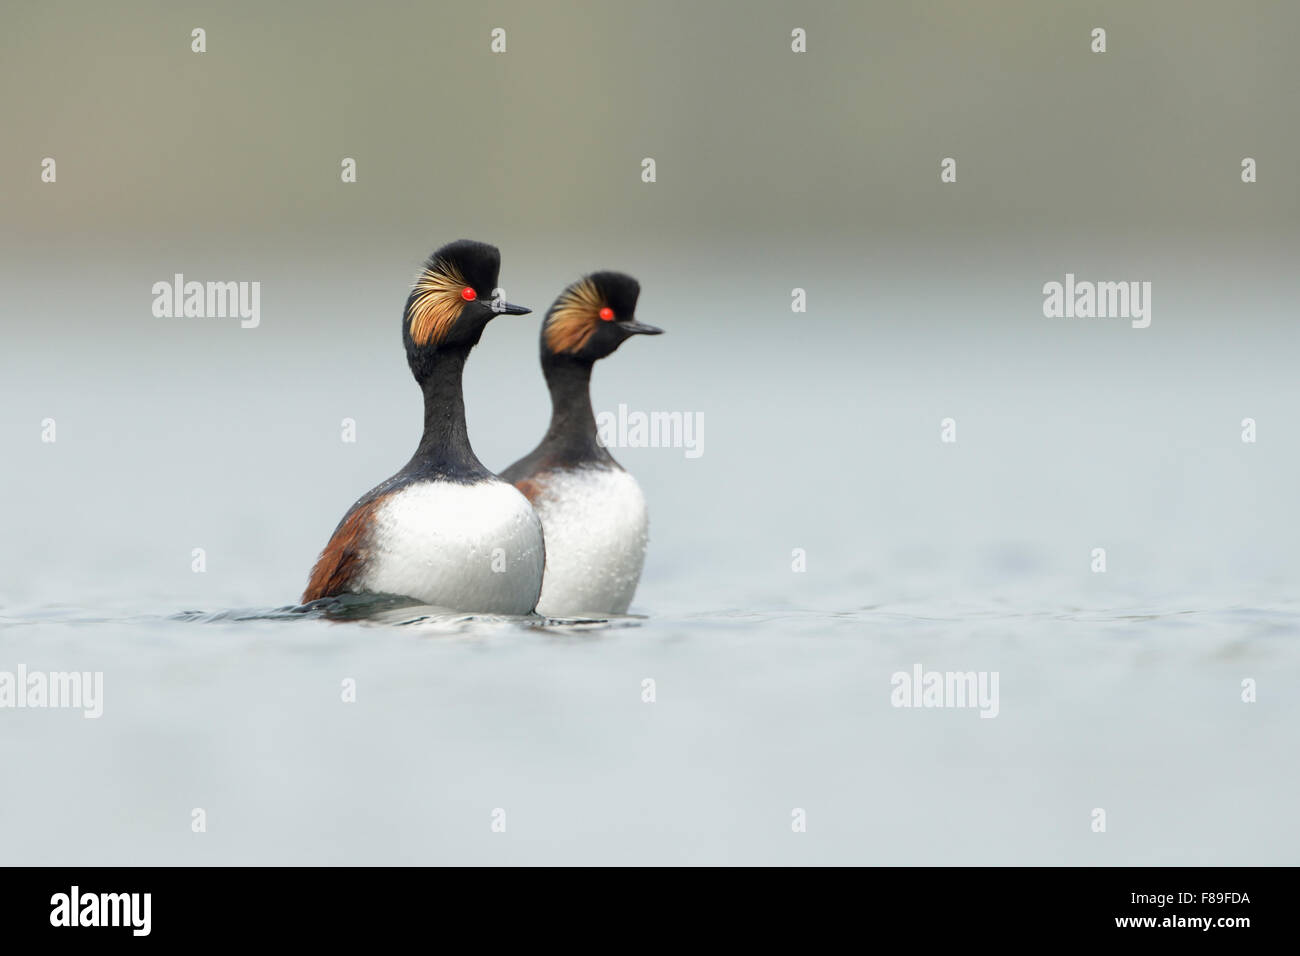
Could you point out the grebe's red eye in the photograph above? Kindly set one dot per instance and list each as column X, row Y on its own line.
column 607, row 314
column 468, row 294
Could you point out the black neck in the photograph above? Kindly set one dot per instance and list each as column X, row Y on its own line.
column 444, row 448
column 571, row 437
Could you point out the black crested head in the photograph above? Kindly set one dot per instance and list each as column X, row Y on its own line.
column 452, row 301
column 593, row 317
column 478, row 262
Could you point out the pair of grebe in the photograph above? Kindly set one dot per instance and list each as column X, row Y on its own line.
column 563, row 530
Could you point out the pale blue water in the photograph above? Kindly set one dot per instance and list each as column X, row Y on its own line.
column 1119, row 691
column 1135, row 710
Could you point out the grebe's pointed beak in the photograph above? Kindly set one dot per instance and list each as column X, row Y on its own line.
column 640, row 328
column 507, row 308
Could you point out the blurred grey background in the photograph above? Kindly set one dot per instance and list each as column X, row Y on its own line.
column 775, row 170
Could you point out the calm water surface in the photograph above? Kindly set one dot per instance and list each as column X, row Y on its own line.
column 1120, row 691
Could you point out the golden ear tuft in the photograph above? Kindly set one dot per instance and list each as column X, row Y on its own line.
column 436, row 303
column 574, row 319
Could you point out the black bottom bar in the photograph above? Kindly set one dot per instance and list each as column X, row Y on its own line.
column 934, row 905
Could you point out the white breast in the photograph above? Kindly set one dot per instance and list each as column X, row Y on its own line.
column 466, row 547
column 596, row 528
